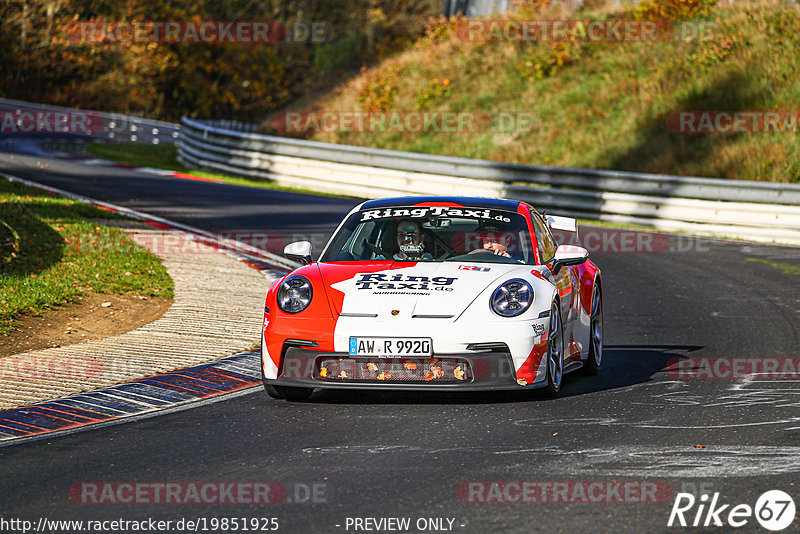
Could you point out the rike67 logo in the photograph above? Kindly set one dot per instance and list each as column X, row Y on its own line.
column 774, row 510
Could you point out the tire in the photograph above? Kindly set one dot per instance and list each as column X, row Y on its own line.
column 555, row 353
column 272, row 391
column 290, row 393
column 595, row 358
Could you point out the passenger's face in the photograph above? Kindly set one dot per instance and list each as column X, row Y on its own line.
column 408, row 233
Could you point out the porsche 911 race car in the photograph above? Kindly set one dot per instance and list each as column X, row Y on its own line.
column 444, row 293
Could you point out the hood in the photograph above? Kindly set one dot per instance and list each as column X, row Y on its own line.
column 442, row 290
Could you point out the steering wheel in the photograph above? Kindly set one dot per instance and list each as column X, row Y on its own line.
column 481, row 251
column 377, row 250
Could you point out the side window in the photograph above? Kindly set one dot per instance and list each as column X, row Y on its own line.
column 547, row 246
column 358, row 247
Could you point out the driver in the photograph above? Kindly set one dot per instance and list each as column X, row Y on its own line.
column 497, row 245
column 409, row 241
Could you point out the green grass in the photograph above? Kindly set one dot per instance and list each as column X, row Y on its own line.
column 787, row 268
column 51, row 252
column 165, row 157
column 607, row 105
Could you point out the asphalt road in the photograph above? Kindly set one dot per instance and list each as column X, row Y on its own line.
column 410, row 455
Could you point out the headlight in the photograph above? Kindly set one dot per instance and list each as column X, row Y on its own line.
column 512, row 298
column 295, row 294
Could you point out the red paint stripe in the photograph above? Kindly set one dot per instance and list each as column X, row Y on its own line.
column 71, row 417
column 213, row 380
column 58, row 407
column 11, row 430
column 160, row 226
column 184, row 176
column 437, row 204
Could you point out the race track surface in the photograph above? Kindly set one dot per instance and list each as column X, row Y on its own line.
column 410, row 455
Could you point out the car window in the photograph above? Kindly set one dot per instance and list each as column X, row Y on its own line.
column 438, row 233
column 547, row 246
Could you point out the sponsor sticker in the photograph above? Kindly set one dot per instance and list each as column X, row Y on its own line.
column 474, row 268
column 404, row 282
column 436, row 211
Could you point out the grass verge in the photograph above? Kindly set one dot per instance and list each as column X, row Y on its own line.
column 595, row 104
column 51, row 252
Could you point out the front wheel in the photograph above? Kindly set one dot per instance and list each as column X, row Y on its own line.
column 555, row 353
column 592, row 364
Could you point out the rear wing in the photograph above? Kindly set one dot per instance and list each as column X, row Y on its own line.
column 564, row 229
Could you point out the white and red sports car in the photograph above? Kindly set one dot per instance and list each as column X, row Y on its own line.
column 444, row 293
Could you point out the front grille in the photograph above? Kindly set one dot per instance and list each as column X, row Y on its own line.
column 394, row 369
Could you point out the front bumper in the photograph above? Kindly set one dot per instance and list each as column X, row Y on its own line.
column 479, row 370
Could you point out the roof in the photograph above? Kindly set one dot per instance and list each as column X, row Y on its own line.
column 472, row 202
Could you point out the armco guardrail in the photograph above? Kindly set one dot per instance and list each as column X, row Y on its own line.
column 755, row 211
column 31, row 117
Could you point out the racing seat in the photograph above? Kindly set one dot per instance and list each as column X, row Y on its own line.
column 388, row 239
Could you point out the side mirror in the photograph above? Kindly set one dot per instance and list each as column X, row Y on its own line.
column 299, row 251
column 567, row 255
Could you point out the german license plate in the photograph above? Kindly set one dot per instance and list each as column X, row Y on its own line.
column 390, row 347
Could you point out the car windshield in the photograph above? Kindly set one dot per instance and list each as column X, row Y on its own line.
column 433, row 234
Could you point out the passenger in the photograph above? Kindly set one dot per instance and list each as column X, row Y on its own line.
column 410, row 243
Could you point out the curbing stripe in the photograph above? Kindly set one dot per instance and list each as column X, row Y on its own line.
column 153, row 394
column 104, row 411
column 149, row 401
column 121, row 402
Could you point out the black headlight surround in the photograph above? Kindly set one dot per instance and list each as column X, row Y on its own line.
column 305, row 285
column 494, row 298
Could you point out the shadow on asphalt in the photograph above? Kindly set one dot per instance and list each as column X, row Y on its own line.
column 623, row 366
